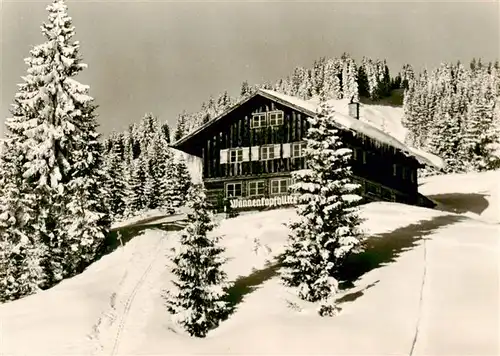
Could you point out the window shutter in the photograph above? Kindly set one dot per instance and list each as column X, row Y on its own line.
column 255, row 153
column 287, row 150
column 246, row 154
column 277, row 149
column 223, row 156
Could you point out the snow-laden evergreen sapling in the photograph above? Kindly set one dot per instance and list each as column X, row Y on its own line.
column 198, row 302
column 328, row 226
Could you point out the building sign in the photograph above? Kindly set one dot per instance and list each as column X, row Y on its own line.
column 264, row 202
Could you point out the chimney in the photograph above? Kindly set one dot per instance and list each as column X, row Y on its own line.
column 354, row 109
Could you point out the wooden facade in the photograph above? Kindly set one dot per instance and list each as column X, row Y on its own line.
column 251, row 150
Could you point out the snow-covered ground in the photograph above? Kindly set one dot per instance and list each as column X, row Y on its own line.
column 474, row 194
column 427, row 284
column 149, row 215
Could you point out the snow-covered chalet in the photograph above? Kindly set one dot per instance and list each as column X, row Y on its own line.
column 249, row 151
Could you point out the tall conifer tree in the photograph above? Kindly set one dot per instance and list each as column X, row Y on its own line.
column 327, row 229
column 53, row 129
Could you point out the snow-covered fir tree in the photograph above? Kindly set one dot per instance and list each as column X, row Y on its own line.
column 482, row 136
column 159, row 175
column 147, row 129
column 318, row 76
column 246, row 90
column 136, row 195
column 363, row 84
column 327, row 228
column 165, row 129
column 349, row 79
column 21, row 273
column 305, row 88
column 53, row 127
column 181, row 129
column 182, row 179
column 407, row 75
column 21, row 251
column 298, row 77
column 224, row 101
column 450, row 111
column 445, row 137
column 117, row 173
column 198, row 301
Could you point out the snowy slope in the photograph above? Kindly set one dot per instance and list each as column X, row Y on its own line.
column 474, row 194
column 429, row 287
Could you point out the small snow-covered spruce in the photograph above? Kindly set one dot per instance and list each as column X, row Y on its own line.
column 199, row 300
column 328, row 226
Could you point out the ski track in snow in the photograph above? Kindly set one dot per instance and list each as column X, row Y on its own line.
column 113, row 314
column 420, row 304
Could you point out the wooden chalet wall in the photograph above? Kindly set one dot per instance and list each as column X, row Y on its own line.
column 377, row 164
column 236, row 132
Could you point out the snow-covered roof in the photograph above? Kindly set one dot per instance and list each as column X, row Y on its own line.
column 371, row 116
column 368, row 129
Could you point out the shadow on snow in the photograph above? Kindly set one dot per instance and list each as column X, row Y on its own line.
column 461, row 203
column 379, row 250
column 382, row 249
column 245, row 285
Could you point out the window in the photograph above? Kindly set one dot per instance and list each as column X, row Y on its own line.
column 298, row 149
column 279, row 186
column 255, row 188
column 394, row 170
column 354, row 154
column 403, row 172
column 267, row 152
column 412, row 176
column 364, row 157
column 235, row 156
column 233, row 190
column 275, row 118
column 258, row 120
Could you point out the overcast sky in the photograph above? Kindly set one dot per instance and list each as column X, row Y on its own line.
column 165, row 57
